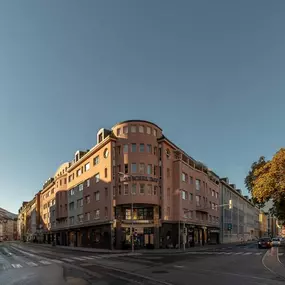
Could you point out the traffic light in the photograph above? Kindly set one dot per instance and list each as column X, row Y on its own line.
column 230, row 226
column 230, row 204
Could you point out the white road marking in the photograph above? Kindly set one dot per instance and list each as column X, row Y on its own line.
column 229, row 253
column 32, row 264
column 258, row 253
column 17, row 265
column 67, row 259
column 87, row 257
column 280, row 253
column 248, row 253
column 96, row 256
column 178, row 266
column 45, row 262
column 238, row 253
column 56, row 261
column 78, row 258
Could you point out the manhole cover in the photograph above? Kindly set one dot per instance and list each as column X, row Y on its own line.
column 160, row 271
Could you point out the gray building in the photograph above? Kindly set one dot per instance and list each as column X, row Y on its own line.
column 241, row 222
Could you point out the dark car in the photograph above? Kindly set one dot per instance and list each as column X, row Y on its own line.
column 264, row 243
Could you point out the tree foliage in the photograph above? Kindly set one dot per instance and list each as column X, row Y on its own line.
column 266, row 180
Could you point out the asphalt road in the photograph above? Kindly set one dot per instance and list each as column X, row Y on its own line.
column 36, row 265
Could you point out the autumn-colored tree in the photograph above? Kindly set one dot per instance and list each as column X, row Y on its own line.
column 266, row 180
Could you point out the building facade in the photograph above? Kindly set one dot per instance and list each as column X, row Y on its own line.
column 241, row 221
column 176, row 200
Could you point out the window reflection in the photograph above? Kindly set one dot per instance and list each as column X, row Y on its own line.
column 139, row 214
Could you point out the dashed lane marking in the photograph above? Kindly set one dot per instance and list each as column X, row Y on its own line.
column 32, row 264
column 16, row 265
column 56, row 261
column 78, row 258
column 67, row 259
column 45, row 262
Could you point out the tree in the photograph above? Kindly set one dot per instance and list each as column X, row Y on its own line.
column 266, row 180
column 250, row 178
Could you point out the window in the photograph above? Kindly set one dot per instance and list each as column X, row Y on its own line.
column 64, row 181
column 197, row 200
column 106, row 191
column 80, row 218
column 142, row 188
column 71, row 220
column 126, row 168
column 60, row 182
column 133, row 129
column 141, row 129
column 126, row 189
column 114, row 191
column 213, row 206
column 213, row 193
column 148, row 148
column 168, row 192
column 148, row 130
column 190, row 196
column 168, row 212
column 106, row 153
column 183, row 177
column 119, row 190
column 126, row 148
column 78, row 172
column 87, row 216
column 97, row 177
column 71, row 206
column 52, row 191
column 45, row 216
column 168, row 173
column 183, row 195
column 134, row 167
column 87, row 199
column 154, row 132
column 106, row 172
column 72, row 192
column 149, row 189
column 155, row 150
column 134, row 147
column 106, row 212
column 125, row 129
column 119, row 149
column 97, row 195
column 97, row 214
column 134, row 189
column 198, row 184
column 191, row 180
column 155, row 190
column 141, row 168
column 216, row 194
column 79, row 203
column 96, row 160
column 88, row 182
column 154, row 170
column 190, row 214
column 87, row 166
column 80, row 187
column 118, row 131
column 141, row 147
column 149, row 169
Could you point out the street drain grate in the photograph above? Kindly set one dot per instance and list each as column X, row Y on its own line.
column 160, row 271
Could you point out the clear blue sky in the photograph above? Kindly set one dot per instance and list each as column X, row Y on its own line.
column 210, row 73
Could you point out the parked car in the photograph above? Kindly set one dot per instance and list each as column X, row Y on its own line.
column 264, row 243
column 276, row 242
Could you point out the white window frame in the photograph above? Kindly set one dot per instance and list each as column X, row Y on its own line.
column 141, row 129
column 97, row 214
column 125, row 148
column 133, row 128
column 88, row 182
column 96, row 160
column 148, row 130
column 97, row 177
column 97, row 196
column 126, row 187
column 80, row 187
column 198, row 184
column 183, row 177
column 87, row 166
column 183, row 195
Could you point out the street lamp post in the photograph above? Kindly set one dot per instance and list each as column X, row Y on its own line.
column 132, row 208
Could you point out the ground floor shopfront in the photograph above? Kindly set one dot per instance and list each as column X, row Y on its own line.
column 146, row 236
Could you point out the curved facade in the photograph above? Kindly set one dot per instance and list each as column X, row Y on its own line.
column 174, row 198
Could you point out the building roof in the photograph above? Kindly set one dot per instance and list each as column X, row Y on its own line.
column 139, row 121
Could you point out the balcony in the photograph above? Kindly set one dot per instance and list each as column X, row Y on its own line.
column 202, row 208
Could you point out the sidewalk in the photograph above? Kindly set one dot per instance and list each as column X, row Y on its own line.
column 149, row 251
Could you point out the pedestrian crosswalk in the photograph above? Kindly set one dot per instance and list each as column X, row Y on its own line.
column 6, row 264
column 224, row 253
